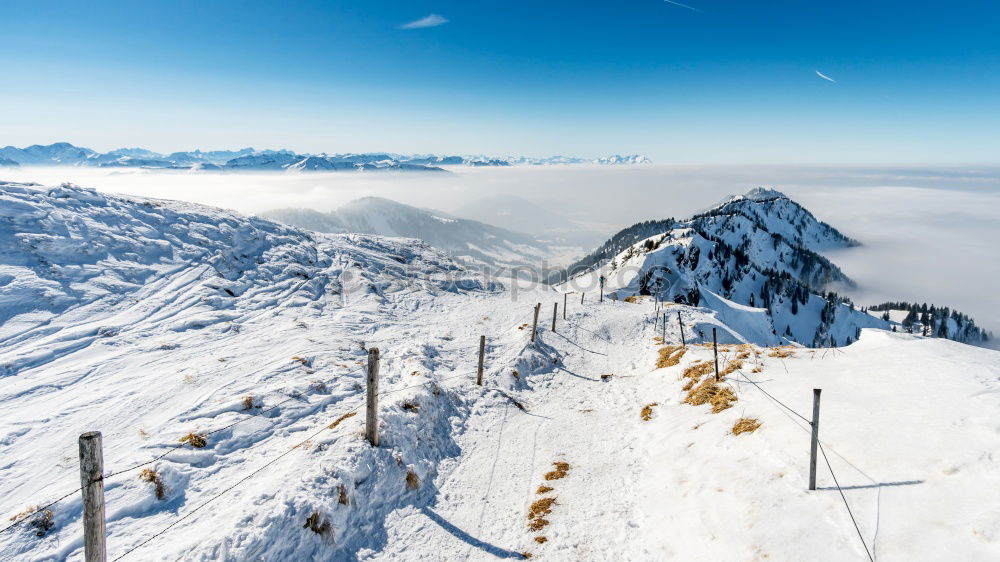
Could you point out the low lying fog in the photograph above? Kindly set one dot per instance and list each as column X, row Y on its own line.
column 929, row 235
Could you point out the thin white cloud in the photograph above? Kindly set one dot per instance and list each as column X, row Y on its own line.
column 431, row 20
column 684, row 6
column 825, row 77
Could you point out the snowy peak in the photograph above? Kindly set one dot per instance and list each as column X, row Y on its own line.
column 618, row 160
column 775, row 213
column 60, row 153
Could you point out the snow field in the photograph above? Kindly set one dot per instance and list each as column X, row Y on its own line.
column 144, row 342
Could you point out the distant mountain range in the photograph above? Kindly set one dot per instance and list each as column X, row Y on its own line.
column 66, row 154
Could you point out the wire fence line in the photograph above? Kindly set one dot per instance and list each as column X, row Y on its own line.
column 22, row 518
column 271, row 462
column 283, row 454
column 836, row 482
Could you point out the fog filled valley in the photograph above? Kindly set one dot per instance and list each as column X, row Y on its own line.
column 928, row 235
column 559, row 362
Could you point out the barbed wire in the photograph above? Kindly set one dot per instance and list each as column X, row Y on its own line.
column 274, row 460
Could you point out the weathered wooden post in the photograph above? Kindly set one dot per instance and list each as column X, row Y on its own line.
column 815, row 439
column 602, row 288
column 565, row 296
column 482, row 356
column 371, row 417
column 679, row 323
column 92, row 482
column 555, row 310
column 534, row 325
column 715, row 347
column 582, row 294
column 663, row 338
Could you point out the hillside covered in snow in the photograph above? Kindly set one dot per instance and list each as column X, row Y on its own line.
column 756, row 258
column 469, row 241
column 223, row 358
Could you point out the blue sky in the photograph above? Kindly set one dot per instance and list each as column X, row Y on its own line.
column 734, row 82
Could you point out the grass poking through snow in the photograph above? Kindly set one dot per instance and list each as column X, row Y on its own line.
column 153, row 477
column 560, row 472
column 647, row 411
column 670, row 355
column 745, row 425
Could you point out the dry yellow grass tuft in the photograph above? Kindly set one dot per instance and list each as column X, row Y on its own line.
column 42, row 521
column 632, row 299
column 412, row 480
column 538, row 524
column 342, row 498
column 196, row 440
column 543, row 490
column 757, row 369
column 301, row 360
column 527, row 555
column 248, row 402
column 561, row 469
column 697, row 370
column 153, row 477
column 541, row 508
column 342, row 418
column 541, row 539
column 412, row 407
column 670, row 355
column 516, row 374
column 647, row 411
column 781, row 352
column 733, row 366
column 745, row 425
column 708, row 392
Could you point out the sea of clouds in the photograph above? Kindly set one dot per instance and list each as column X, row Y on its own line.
column 928, row 234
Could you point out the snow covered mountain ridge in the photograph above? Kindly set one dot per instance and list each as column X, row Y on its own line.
column 755, row 258
column 66, row 154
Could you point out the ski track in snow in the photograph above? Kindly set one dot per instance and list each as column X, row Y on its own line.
column 909, row 423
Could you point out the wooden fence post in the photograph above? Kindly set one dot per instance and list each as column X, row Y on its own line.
column 534, row 325
column 371, row 416
column 565, row 296
column 815, row 439
column 679, row 323
column 555, row 310
column 602, row 290
column 715, row 346
column 92, row 481
column 482, row 354
column 582, row 294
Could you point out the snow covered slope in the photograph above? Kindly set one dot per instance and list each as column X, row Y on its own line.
column 470, row 241
column 153, row 321
column 754, row 250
